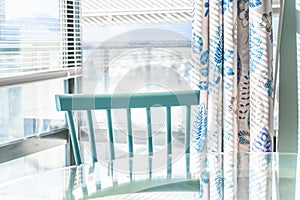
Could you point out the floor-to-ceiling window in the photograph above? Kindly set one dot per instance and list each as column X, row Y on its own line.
column 136, row 46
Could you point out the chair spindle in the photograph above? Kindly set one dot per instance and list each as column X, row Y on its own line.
column 92, row 136
column 169, row 130
column 110, row 135
column 149, row 127
column 129, row 128
column 188, row 129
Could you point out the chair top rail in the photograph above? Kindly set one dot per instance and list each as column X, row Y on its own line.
column 71, row 102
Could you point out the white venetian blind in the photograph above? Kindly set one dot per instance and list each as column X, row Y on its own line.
column 113, row 12
column 39, row 35
column 71, row 38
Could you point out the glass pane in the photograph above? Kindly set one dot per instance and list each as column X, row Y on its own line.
column 29, row 110
column 30, row 36
column 136, row 46
column 141, row 57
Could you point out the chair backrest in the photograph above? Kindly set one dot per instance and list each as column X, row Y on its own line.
column 89, row 102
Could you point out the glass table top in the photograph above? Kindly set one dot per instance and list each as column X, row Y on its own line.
column 156, row 177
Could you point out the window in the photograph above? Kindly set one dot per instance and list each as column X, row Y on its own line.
column 40, row 54
column 30, row 36
column 135, row 46
column 135, row 39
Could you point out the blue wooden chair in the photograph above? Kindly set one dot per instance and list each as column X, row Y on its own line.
column 90, row 102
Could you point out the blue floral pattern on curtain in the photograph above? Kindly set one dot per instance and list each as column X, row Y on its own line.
column 232, row 56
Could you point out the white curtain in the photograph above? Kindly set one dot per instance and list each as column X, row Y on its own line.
column 233, row 60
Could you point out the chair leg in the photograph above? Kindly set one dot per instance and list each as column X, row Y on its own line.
column 74, row 140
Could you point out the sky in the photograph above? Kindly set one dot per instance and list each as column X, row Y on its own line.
column 30, row 8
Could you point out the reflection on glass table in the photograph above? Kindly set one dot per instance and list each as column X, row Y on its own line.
column 143, row 176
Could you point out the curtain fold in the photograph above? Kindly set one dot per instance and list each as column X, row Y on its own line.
column 233, row 64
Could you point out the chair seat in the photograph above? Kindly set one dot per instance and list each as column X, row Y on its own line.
column 133, row 175
column 147, row 186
